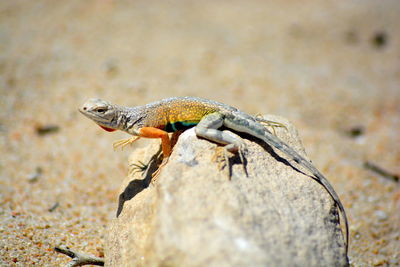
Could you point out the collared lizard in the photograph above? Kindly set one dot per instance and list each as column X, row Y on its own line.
column 157, row 119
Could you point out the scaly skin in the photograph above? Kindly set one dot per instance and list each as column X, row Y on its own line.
column 157, row 119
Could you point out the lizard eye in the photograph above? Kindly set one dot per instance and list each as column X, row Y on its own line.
column 101, row 110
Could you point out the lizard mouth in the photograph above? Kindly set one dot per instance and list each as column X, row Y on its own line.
column 107, row 129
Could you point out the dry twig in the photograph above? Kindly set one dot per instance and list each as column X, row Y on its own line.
column 79, row 259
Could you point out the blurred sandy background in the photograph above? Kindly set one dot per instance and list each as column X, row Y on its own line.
column 331, row 67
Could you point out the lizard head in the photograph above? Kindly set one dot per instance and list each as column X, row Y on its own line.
column 101, row 112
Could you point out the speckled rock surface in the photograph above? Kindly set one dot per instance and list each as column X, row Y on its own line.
column 195, row 216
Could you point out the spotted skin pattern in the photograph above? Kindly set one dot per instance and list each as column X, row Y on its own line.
column 175, row 115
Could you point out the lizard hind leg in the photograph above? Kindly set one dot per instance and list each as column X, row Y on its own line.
column 239, row 148
column 208, row 129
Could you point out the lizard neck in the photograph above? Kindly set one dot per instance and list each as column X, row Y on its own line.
column 131, row 119
column 115, row 122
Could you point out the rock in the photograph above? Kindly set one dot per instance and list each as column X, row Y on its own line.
column 195, row 216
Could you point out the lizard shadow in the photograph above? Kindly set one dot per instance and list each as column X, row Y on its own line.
column 134, row 187
column 138, row 185
column 271, row 151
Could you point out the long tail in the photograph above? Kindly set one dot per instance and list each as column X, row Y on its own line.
column 277, row 143
column 260, row 132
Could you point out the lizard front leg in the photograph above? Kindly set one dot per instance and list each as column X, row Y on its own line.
column 151, row 132
column 208, row 129
column 144, row 167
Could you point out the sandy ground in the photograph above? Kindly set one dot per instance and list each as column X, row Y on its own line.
column 331, row 67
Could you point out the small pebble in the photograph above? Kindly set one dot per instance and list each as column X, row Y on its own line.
column 54, row 207
column 46, row 129
column 33, row 177
column 381, row 215
column 379, row 39
column 356, row 131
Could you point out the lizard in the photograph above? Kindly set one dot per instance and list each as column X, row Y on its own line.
column 157, row 119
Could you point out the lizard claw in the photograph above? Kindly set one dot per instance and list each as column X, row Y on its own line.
column 271, row 124
column 124, row 142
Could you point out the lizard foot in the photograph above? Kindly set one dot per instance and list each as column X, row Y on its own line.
column 124, row 142
column 158, row 171
column 239, row 149
column 271, row 124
